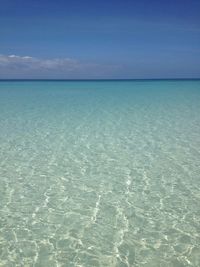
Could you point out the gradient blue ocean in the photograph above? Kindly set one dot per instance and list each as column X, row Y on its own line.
column 100, row 173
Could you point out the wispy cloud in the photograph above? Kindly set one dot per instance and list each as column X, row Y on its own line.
column 14, row 66
column 27, row 62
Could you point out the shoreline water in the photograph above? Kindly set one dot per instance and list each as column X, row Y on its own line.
column 99, row 173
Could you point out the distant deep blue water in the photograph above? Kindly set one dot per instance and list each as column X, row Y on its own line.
column 100, row 173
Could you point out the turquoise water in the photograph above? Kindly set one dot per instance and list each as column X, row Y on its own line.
column 100, row 173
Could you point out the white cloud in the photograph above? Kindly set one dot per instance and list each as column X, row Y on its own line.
column 14, row 66
column 32, row 62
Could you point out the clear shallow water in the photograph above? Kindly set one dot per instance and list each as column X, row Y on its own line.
column 100, row 173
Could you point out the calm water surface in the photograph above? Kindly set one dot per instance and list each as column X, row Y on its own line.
column 100, row 174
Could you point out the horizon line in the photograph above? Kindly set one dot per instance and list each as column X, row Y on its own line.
column 107, row 79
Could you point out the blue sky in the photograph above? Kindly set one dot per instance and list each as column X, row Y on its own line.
column 99, row 39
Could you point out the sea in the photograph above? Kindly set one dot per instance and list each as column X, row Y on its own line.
column 101, row 173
